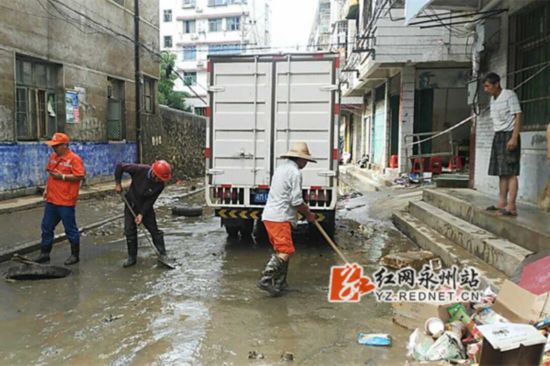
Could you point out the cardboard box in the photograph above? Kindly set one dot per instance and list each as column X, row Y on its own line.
column 508, row 344
column 413, row 315
column 521, row 306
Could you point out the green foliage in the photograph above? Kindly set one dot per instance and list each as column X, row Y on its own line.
column 167, row 95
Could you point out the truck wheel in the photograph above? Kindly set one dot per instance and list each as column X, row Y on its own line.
column 232, row 231
column 246, row 228
column 188, row 211
column 260, row 232
column 329, row 225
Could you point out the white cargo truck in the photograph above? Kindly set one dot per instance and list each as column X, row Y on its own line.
column 259, row 106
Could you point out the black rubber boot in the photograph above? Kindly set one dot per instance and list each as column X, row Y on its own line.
column 75, row 255
column 271, row 276
column 158, row 240
column 44, row 256
column 281, row 281
column 132, row 244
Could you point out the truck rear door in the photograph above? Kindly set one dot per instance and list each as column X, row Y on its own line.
column 241, row 123
column 304, row 112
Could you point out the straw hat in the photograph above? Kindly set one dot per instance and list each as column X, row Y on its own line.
column 299, row 150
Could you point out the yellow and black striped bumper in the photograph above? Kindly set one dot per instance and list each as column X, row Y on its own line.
column 254, row 214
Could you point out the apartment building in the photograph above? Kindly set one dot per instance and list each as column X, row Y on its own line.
column 193, row 29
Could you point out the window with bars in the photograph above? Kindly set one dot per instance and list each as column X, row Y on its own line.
column 115, row 109
column 167, row 41
column 217, row 2
column 215, row 25
column 36, row 107
column 224, row 49
column 167, row 15
column 233, row 23
column 190, row 78
column 529, row 62
column 189, row 3
column 189, row 53
column 189, row 26
column 148, row 95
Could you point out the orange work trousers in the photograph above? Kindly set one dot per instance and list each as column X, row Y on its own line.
column 280, row 236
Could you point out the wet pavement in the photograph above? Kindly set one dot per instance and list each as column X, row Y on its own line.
column 206, row 312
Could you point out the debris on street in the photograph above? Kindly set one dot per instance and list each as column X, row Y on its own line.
column 414, row 259
column 287, row 356
column 253, row 355
column 374, row 339
column 510, row 328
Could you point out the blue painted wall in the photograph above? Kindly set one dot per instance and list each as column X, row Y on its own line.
column 22, row 164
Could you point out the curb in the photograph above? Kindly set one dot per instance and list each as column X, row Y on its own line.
column 32, row 246
column 39, row 202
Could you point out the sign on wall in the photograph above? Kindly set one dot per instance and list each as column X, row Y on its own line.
column 413, row 8
column 72, row 106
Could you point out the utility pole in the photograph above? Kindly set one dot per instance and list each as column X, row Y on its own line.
column 137, row 80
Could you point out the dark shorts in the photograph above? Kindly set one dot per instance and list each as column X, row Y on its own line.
column 504, row 162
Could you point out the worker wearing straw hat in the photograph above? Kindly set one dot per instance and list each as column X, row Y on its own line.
column 279, row 215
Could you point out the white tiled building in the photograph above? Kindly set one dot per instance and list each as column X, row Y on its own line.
column 195, row 28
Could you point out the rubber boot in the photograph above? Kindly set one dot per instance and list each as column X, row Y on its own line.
column 75, row 255
column 44, row 256
column 281, row 281
column 132, row 244
column 158, row 240
column 271, row 276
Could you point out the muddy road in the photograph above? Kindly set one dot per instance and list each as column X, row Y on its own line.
column 206, row 312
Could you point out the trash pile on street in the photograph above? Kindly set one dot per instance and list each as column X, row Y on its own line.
column 511, row 328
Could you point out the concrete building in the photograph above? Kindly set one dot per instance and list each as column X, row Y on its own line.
column 516, row 45
column 68, row 66
column 413, row 81
column 194, row 29
column 320, row 34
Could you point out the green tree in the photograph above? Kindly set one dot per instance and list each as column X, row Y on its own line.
column 167, row 95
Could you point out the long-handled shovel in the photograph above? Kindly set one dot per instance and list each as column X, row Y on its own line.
column 161, row 258
column 330, row 241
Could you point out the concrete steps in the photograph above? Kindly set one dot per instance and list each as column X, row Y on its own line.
column 454, row 224
column 449, row 252
column 497, row 252
column 530, row 230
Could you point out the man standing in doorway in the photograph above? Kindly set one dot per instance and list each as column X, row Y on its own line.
column 506, row 150
column 284, row 201
column 65, row 171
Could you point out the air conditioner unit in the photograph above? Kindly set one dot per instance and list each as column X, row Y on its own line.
column 194, row 36
column 198, row 9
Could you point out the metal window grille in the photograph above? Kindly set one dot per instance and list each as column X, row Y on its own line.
column 530, row 46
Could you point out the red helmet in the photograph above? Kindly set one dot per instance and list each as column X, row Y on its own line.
column 162, row 170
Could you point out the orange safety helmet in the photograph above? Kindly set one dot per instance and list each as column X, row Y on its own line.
column 162, row 170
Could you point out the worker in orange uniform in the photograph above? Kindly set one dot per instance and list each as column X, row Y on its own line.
column 65, row 172
column 147, row 184
column 284, row 201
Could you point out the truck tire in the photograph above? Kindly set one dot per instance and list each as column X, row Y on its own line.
column 232, row 231
column 247, row 228
column 260, row 232
column 187, row 211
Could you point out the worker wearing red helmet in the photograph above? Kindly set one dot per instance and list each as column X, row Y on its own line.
column 147, row 184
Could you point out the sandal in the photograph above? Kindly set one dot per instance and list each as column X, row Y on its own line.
column 493, row 208
column 505, row 212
